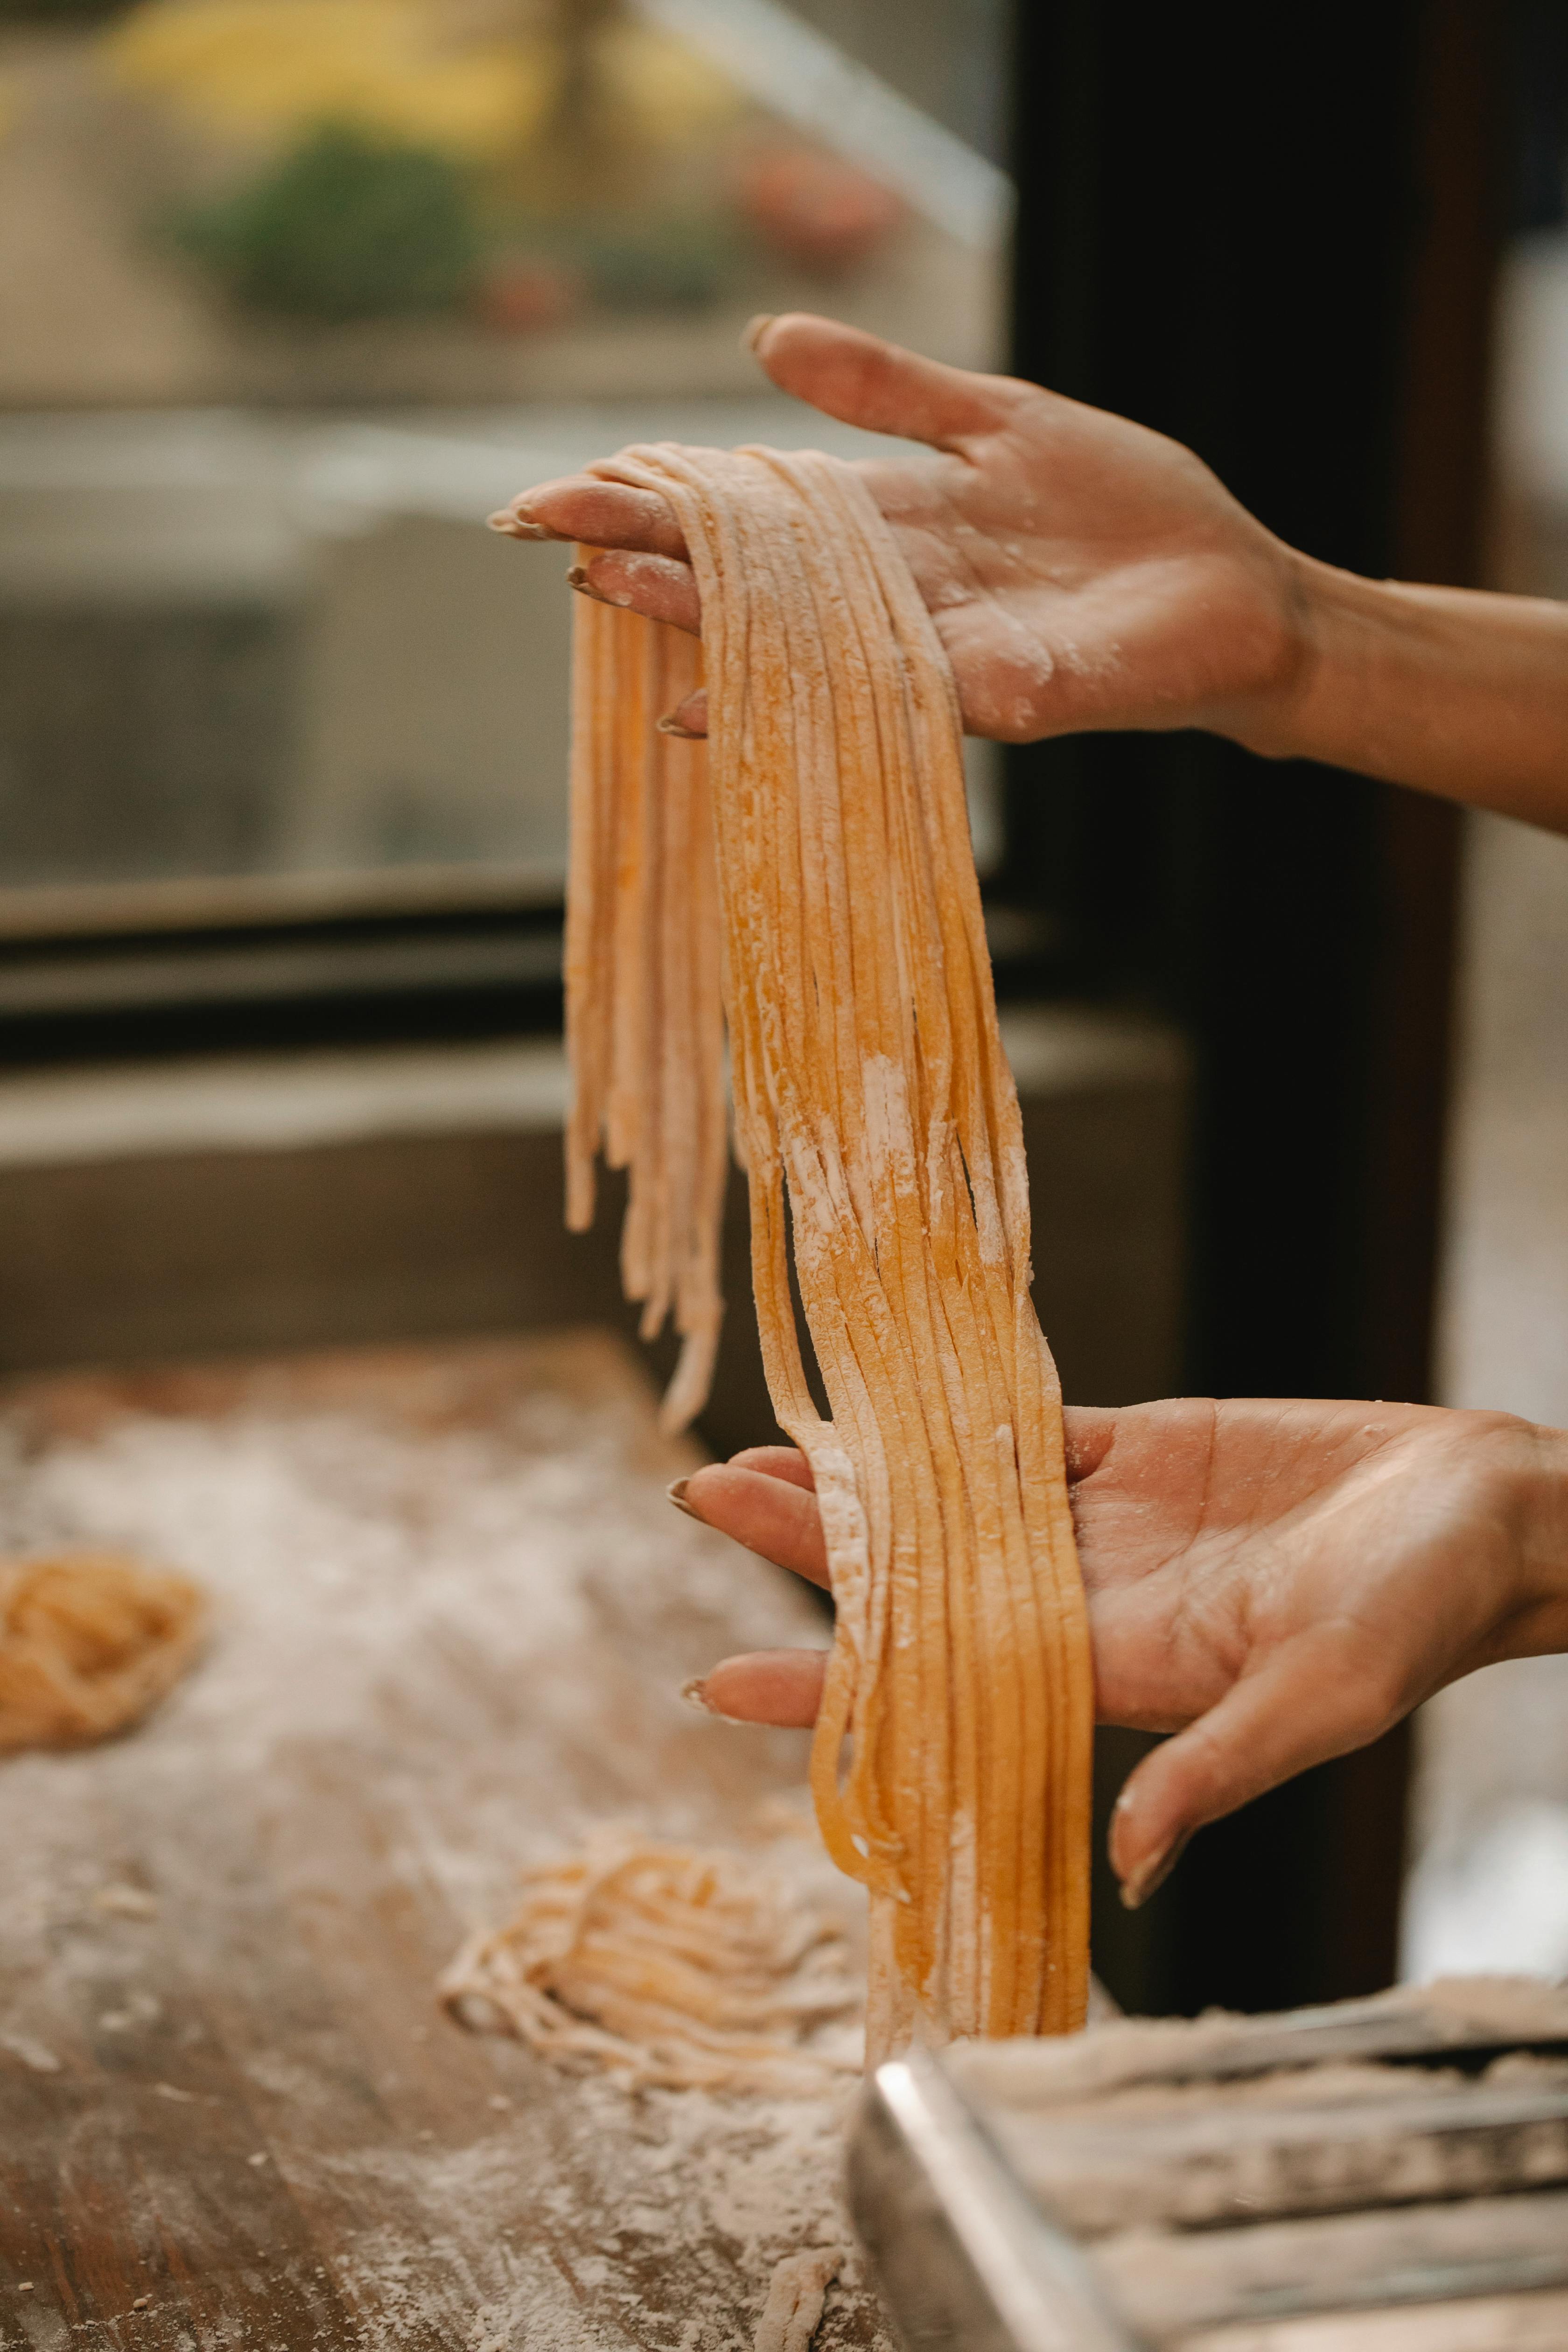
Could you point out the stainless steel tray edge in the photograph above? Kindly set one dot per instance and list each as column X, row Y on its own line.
column 964, row 2259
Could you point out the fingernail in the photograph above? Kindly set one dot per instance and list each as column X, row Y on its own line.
column 1137, row 1888
column 670, row 725
column 676, row 1490
column 514, row 526
column 577, row 578
column 695, row 1694
column 755, row 329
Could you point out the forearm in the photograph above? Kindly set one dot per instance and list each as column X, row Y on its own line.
column 1450, row 690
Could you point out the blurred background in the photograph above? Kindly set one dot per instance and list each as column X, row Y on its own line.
column 293, row 289
column 293, row 292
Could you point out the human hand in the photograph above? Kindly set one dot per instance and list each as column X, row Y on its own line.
column 1082, row 571
column 1273, row 1582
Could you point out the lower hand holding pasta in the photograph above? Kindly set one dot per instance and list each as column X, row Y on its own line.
column 1275, row 1582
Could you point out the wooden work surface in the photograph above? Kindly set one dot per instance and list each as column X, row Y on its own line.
column 453, row 1613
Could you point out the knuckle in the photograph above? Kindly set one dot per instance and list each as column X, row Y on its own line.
column 1209, row 1767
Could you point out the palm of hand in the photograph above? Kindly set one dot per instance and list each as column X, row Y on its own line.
column 1083, row 572
column 1278, row 1584
column 1276, row 1581
column 1332, row 1546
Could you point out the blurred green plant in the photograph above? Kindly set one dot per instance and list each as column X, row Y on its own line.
column 345, row 226
column 630, row 261
column 679, row 261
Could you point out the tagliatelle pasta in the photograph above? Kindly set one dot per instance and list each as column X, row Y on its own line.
column 645, row 1025
column 89, row 1642
column 666, row 1965
column 816, row 874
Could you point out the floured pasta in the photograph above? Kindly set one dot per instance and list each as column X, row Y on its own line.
column 878, row 1125
column 666, row 1965
column 88, row 1642
column 795, row 2295
column 644, row 1025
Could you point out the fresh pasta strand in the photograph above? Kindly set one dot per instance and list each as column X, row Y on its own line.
column 665, row 1964
column 827, row 847
column 88, row 1642
column 645, row 1028
column 795, row 2295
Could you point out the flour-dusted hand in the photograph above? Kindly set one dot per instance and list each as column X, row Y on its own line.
column 1082, row 571
column 1085, row 574
column 1274, row 1581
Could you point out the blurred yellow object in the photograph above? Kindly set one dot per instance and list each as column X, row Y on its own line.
column 260, row 66
column 668, row 90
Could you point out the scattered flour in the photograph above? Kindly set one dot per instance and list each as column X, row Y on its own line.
column 457, row 1650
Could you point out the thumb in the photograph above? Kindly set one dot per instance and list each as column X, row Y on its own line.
column 863, row 381
column 1317, row 1696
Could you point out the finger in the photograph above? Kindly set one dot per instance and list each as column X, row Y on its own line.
column 688, row 719
column 651, row 585
column 1316, row 1697
column 863, row 381
column 600, row 514
column 768, row 1513
column 779, row 1686
column 776, row 1461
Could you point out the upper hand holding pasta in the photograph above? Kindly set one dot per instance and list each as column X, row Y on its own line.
column 1083, row 572
column 1275, row 1582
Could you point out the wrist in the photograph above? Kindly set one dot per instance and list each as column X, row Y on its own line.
column 1452, row 690
column 1335, row 627
column 1538, row 1623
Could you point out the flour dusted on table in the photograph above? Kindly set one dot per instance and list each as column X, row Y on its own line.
column 451, row 1610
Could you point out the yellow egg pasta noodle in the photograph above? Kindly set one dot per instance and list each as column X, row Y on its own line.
column 645, row 1028
column 667, row 1965
column 811, row 873
column 89, row 1641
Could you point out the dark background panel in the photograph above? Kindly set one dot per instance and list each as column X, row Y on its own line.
column 1274, row 237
